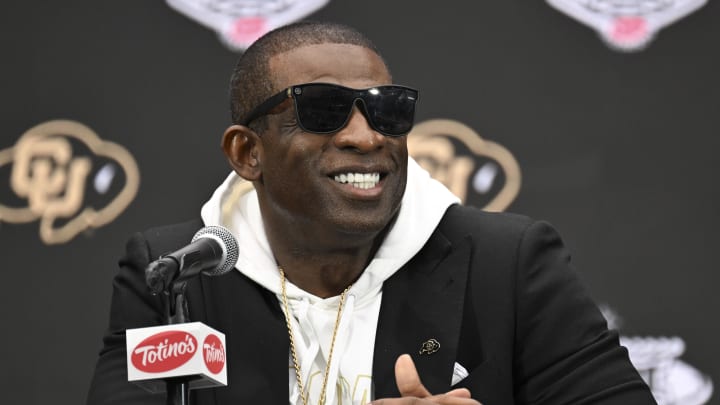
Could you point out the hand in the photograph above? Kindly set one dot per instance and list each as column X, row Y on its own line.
column 413, row 392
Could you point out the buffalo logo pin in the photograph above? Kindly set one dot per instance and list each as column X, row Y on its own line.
column 430, row 346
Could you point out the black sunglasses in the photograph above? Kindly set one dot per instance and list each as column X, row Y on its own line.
column 324, row 108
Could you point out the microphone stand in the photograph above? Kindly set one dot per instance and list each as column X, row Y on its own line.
column 178, row 389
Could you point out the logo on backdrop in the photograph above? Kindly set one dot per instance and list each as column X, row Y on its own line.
column 657, row 359
column 59, row 172
column 480, row 172
column 239, row 23
column 627, row 25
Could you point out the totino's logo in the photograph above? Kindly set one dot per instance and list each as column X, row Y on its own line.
column 164, row 351
column 63, row 174
column 214, row 354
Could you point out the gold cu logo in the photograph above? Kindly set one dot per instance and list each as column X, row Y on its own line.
column 480, row 172
column 54, row 182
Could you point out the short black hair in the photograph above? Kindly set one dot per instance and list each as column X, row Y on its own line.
column 251, row 82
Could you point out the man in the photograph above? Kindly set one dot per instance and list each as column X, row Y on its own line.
column 359, row 277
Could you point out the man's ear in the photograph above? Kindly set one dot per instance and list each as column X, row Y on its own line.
column 243, row 149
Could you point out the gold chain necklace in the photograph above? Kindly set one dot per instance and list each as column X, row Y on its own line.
column 303, row 394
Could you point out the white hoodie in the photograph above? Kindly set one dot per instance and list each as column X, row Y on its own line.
column 234, row 205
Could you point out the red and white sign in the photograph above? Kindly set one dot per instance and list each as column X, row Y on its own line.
column 627, row 25
column 214, row 354
column 187, row 349
column 164, row 351
column 239, row 23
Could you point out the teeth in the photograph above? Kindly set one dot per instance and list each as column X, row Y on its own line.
column 359, row 180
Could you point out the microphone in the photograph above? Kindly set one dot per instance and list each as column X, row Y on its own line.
column 182, row 355
column 213, row 251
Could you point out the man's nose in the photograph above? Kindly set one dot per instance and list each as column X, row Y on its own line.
column 358, row 134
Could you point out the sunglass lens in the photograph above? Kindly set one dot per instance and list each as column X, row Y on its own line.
column 391, row 109
column 322, row 108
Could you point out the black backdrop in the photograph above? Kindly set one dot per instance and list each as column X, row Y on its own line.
column 617, row 150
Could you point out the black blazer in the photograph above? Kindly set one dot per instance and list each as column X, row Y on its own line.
column 496, row 290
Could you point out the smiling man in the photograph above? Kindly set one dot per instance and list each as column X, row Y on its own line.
column 327, row 198
column 360, row 278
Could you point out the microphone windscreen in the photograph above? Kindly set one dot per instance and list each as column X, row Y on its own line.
column 227, row 242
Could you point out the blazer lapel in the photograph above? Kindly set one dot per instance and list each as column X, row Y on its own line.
column 257, row 340
column 421, row 315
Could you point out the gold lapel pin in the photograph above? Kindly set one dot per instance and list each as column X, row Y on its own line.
column 430, row 346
